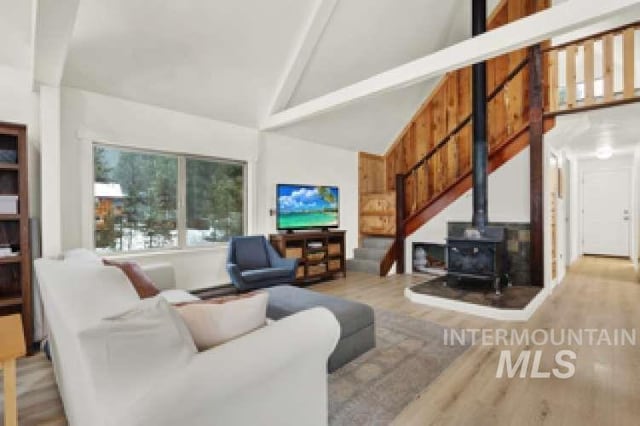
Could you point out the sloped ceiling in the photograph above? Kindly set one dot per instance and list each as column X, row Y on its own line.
column 367, row 37
column 223, row 59
column 219, row 59
column 15, row 39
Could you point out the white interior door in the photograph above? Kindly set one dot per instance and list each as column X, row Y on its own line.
column 606, row 212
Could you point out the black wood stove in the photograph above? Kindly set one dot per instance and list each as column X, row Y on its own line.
column 480, row 252
column 478, row 256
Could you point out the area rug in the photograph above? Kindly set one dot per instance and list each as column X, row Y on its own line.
column 374, row 388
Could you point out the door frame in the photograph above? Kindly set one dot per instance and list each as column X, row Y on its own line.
column 581, row 212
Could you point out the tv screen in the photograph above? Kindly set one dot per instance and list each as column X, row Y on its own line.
column 307, row 206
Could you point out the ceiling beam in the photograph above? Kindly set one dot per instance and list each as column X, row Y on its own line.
column 302, row 52
column 524, row 32
column 53, row 28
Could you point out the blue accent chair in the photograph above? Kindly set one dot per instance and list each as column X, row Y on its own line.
column 253, row 263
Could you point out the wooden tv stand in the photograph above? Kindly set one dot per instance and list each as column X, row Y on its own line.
column 321, row 255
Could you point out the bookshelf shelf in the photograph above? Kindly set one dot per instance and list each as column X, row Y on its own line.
column 15, row 270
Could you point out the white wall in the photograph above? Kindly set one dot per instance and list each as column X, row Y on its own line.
column 574, row 209
column 508, row 202
column 89, row 117
column 287, row 160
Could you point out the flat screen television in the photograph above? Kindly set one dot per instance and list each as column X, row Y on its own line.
column 307, row 207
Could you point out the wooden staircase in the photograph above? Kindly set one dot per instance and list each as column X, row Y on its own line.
column 429, row 165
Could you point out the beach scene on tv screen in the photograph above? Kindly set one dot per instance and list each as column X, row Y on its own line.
column 307, row 206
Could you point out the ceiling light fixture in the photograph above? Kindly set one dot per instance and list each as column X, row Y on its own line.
column 604, row 152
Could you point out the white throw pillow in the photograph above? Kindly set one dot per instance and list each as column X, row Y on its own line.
column 216, row 321
column 127, row 353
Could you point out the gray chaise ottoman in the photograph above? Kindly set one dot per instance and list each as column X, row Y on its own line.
column 357, row 332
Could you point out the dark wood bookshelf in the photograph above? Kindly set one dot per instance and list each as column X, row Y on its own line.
column 321, row 255
column 15, row 270
column 9, row 166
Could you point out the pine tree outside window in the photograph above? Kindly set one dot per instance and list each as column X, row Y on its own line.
column 146, row 200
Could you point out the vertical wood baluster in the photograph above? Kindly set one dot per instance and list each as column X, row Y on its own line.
column 607, row 64
column 589, row 73
column 571, row 76
column 553, row 80
column 628, row 62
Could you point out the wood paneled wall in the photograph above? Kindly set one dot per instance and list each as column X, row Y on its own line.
column 447, row 106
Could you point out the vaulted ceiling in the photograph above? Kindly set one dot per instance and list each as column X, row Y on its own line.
column 223, row 60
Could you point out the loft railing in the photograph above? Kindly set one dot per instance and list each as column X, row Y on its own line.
column 595, row 71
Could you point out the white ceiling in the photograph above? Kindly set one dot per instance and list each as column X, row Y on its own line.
column 224, row 59
column 219, row 59
column 584, row 133
column 15, row 36
column 367, row 37
column 369, row 126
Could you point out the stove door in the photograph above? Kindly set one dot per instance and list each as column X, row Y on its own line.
column 472, row 258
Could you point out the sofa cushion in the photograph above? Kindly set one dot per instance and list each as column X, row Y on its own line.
column 140, row 281
column 216, row 321
column 285, row 300
column 177, row 296
column 250, row 253
column 127, row 350
column 265, row 274
column 81, row 255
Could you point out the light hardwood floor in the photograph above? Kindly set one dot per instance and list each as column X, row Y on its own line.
column 605, row 390
column 597, row 293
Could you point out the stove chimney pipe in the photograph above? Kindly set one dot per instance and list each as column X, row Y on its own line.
column 480, row 152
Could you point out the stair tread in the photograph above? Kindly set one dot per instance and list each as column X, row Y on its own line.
column 365, row 253
column 363, row 265
column 377, row 243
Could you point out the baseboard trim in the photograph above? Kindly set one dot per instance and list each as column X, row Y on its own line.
column 478, row 310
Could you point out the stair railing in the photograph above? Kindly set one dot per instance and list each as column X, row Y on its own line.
column 420, row 179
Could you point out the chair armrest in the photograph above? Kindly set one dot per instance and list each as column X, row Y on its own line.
column 285, row 263
column 278, row 261
column 234, row 273
column 275, row 375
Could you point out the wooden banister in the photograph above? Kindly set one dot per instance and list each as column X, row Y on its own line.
column 610, row 95
column 467, row 119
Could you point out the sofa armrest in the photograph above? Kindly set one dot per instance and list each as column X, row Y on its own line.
column 275, row 375
column 162, row 274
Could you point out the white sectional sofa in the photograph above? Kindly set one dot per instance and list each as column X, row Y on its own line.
column 276, row 375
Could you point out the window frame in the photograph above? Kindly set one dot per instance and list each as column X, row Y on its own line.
column 181, row 197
